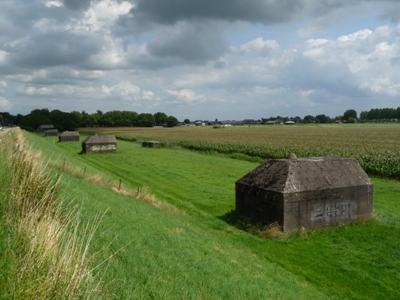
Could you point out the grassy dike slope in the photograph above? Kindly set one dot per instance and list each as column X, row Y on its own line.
column 190, row 252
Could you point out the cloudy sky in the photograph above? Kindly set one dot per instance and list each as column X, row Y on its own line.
column 200, row 59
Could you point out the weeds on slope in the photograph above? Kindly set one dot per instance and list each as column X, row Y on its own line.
column 47, row 253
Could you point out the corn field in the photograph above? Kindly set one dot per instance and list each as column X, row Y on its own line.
column 375, row 147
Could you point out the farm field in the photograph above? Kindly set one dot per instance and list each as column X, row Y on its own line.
column 375, row 146
column 181, row 244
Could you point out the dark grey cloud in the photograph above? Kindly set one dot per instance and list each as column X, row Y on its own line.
column 391, row 12
column 77, row 4
column 189, row 42
column 172, row 11
column 51, row 49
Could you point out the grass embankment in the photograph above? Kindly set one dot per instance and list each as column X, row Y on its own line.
column 42, row 255
column 375, row 146
column 187, row 248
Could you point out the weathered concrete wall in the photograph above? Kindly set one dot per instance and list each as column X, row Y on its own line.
column 99, row 143
column 101, row 148
column 51, row 132
column 69, row 136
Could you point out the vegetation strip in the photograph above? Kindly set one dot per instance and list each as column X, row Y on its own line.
column 47, row 249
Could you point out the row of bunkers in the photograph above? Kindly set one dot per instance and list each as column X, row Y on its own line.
column 92, row 144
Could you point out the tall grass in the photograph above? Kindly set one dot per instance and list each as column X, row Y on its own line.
column 47, row 254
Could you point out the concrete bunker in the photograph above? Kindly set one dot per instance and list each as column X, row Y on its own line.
column 151, row 144
column 305, row 192
column 51, row 132
column 69, row 136
column 99, row 143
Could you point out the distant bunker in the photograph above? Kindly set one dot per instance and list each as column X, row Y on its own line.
column 51, row 132
column 99, row 143
column 69, row 136
column 305, row 192
column 151, row 144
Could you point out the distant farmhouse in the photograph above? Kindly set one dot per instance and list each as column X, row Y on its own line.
column 69, row 136
column 99, row 143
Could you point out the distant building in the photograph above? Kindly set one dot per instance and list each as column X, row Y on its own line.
column 199, row 123
column 69, row 136
column 99, row 143
column 251, row 122
column 290, row 123
column 273, row 122
column 152, row 144
column 43, row 128
column 51, row 132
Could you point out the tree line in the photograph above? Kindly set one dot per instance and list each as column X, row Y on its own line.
column 349, row 116
column 73, row 120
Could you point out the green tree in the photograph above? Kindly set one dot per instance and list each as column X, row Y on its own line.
column 322, row 119
column 65, row 121
column 186, row 121
column 172, row 121
column 146, row 120
column 398, row 114
column 160, row 118
column 350, row 113
column 364, row 115
column 309, row 119
column 93, row 120
column 36, row 118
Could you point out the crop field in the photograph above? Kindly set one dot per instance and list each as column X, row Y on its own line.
column 375, row 146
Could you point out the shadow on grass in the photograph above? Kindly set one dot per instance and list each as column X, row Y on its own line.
column 264, row 231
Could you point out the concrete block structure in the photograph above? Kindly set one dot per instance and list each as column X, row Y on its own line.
column 43, row 128
column 69, row 136
column 152, row 144
column 305, row 192
column 51, row 132
column 99, row 143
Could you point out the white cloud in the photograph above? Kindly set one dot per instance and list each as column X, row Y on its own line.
column 53, row 3
column 184, row 95
column 102, row 14
column 359, row 35
column 124, row 90
column 3, row 56
column 259, row 45
column 58, row 90
column 5, row 105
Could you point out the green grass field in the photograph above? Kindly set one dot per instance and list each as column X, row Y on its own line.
column 180, row 246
